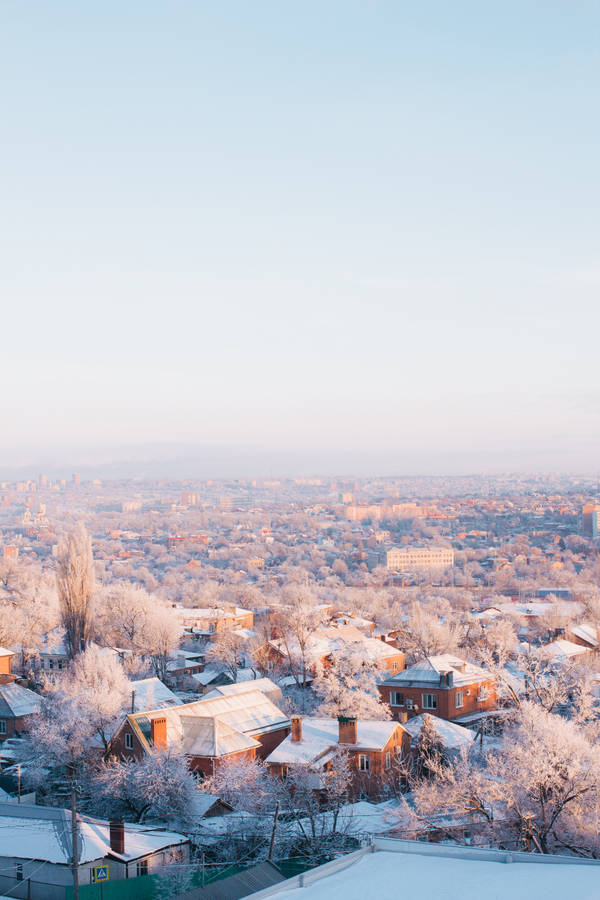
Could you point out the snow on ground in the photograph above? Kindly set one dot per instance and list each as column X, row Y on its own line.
column 387, row 876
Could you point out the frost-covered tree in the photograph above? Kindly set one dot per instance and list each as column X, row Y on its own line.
column 75, row 583
column 97, row 683
column 427, row 632
column 243, row 783
column 228, row 652
column 348, row 686
column 294, row 625
column 540, row 791
column 158, row 786
column 429, row 747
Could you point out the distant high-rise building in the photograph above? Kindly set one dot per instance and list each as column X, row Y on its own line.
column 76, row 478
column 590, row 520
column 43, row 481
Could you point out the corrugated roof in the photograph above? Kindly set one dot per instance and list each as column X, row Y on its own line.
column 20, row 701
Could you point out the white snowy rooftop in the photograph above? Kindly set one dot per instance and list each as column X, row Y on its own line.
column 428, row 671
column 18, row 701
column 44, row 833
column 453, row 737
column 321, row 735
column 586, row 632
column 432, row 872
column 268, row 688
column 151, row 693
column 562, row 650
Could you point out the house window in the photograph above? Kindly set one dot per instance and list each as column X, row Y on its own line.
column 129, row 742
column 483, row 692
column 51, row 664
column 388, row 760
column 2, row 726
column 396, row 698
column 459, row 699
column 429, row 701
column 141, row 868
column 364, row 762
column 60, row 663
column 19, row 871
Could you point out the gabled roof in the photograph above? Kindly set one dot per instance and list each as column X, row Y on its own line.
column 268, row 687
column 209, row 736
column 17, row 701
column 428, row 672
column 586, row 632
column 151, row 693
column 44, row 833
column 320, row 739
column 453, row 737
column 248, row 713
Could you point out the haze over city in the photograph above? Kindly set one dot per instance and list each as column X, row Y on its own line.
column 331, row 228
column 300, row 450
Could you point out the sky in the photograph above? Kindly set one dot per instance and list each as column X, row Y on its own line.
column 362, row 231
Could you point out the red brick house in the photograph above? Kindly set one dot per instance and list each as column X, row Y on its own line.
column 17, row 706
column 244, row 724
column 443, row 686
column 372, row 746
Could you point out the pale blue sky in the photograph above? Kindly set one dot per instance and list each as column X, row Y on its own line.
column 333, row 225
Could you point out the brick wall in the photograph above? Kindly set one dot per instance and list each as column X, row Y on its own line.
column 446, row 707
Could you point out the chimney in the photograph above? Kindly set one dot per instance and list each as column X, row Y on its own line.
column 117, row 837
column 348, row 730
column 132, row 702
column 158, row 733
column 296, row 729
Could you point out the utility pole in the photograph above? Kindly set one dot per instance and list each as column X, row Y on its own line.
column 74, row 836
column 276, row 816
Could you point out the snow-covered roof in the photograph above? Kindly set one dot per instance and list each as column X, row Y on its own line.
column 44, row 833
column 319, row 736
column 5, row 652
column 268, row 687
column 453, row 737
column 586, row 632
column 562, row 649
column 151, row 693
column 562, row 608
column 428, row 671
column 211, row 737
column 248, row 713
column 18, row 701
column 451, row 873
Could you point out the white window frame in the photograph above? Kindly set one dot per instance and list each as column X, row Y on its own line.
column 396, row 694
column 425, row 702
column 364, row 762
column 3, row 728
column 459, row 699
column 388, row 760
column 128, row 741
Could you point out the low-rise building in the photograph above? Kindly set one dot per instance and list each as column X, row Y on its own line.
column 373, row 747
column 244, row 723
column 36, row 851
column 443, row 686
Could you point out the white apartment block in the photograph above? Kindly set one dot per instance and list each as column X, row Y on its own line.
column 407, row 559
